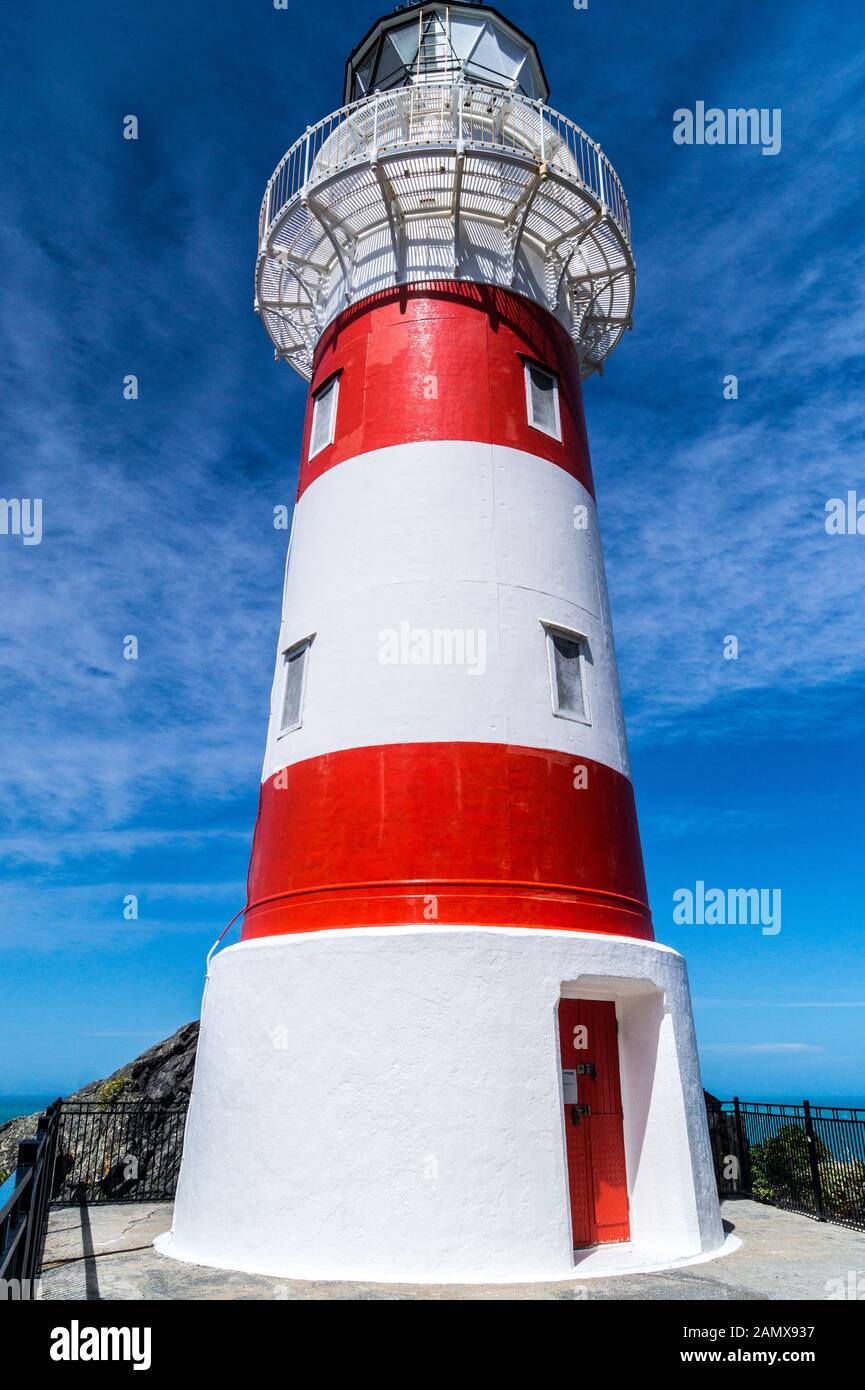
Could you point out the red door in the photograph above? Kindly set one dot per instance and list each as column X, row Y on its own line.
column 594, row 1136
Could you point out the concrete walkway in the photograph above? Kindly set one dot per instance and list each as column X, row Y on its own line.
column 106, row 1252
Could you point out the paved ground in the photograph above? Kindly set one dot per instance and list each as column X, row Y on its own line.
column 105, row 1252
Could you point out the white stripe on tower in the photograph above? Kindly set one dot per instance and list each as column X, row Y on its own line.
column 475, row 540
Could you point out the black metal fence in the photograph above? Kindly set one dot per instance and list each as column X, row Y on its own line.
column 121, row 1151
column 84, row 1152
column 806, row 1158
column 24, row 1214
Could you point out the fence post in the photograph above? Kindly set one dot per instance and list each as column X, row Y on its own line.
column 55, row 1109
column 744, row 1152
column 28, row 1156
column 45, row 1130
column 813, row 1163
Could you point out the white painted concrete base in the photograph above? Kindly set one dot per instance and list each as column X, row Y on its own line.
column 610, row 1261
column 386, row 1105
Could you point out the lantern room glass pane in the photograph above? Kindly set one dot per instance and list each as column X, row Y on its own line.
column 390, row 68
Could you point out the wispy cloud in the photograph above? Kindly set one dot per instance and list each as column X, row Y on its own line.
column 154, row 1033
column 763, row 1004
column 778, row 1049
column 713, row 510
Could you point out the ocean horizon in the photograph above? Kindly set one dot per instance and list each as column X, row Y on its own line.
column 27, row 1103
column 23, row 1104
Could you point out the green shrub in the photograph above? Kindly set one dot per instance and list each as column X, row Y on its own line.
column 113, row 1090
column 781, row 1173
column 781, row 1168
column 842, row 1181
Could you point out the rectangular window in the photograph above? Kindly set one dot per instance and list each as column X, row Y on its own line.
column 566, row 653
column 294, row 680
column 323, row 417
column 542, row 399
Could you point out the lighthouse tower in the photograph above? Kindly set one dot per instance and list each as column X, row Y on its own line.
column 447, row 1046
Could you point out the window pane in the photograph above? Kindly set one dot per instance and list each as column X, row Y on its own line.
column 569, row 680
column 323, row 418
column 294, row 663
column 543, row 393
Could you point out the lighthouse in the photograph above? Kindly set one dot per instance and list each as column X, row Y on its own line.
column 447, row 1046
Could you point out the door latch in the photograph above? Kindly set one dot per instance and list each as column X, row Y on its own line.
column 577, row 1113
column 587, row 1069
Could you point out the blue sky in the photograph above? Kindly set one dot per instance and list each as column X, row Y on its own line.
column 137, row 257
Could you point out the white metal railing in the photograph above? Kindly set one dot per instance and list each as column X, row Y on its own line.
column 427, row 114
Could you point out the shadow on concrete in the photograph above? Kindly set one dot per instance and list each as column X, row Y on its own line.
column 91, row 1278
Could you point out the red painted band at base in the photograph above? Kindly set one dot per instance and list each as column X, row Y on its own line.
column 444, row 361
column 451, row 834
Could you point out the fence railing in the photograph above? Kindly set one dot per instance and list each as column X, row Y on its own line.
column 122, row 1151
column 463, row 114
column 24, row 1214
column 84, row 1152
column 805, row 1158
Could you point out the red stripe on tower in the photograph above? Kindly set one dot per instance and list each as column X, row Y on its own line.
column 445, row 362
column 450, row 833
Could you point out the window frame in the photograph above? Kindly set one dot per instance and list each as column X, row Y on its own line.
column 285, row 655
column 330, row 385
column 582, row 641
column 530, row 365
